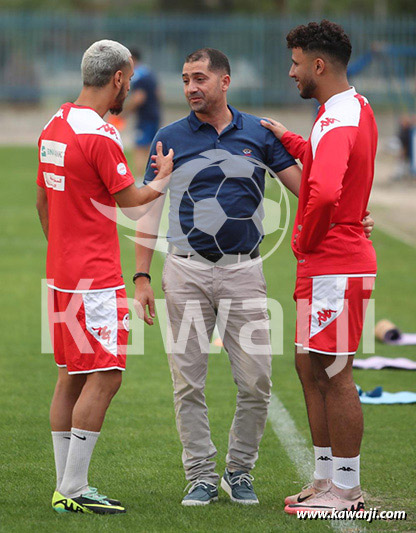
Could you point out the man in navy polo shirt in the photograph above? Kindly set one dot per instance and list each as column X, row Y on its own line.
column 207, row 269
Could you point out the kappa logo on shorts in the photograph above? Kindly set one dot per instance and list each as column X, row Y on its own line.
column 104, row 333
column 324, row 315
column 247, row 151
column 327, row 122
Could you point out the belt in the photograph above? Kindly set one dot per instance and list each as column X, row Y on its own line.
column 213, row 257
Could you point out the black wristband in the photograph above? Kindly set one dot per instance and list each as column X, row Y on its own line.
column 141, row 275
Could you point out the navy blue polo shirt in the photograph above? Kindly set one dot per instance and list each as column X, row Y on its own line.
column 216, row 189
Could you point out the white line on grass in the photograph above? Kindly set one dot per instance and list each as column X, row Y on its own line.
column 299, row 453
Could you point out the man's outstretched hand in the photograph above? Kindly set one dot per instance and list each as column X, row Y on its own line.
column 162, row 164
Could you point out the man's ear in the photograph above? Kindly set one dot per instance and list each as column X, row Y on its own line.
column 118, row 79
column 225, row 82
column 319, row 66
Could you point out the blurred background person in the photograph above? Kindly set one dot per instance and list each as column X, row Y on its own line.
column 144, row 102
column 405, row 134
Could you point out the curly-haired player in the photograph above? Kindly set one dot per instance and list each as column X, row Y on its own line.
column 336, row 263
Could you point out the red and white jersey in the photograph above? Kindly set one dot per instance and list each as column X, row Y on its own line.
column 338, row 169
column 81, row 159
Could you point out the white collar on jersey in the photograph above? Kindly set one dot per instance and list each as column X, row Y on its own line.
column 340, row 96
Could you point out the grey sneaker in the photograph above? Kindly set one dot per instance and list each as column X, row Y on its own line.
column 239, row 487
column 200, row 493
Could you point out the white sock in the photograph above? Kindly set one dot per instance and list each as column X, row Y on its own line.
column 60, row 440
column 346, row 472
column 323, row 462
column 75, row 480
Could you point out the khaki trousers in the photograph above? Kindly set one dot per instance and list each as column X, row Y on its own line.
column 196, row 296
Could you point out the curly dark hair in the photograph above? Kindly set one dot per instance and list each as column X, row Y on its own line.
column 326, row 37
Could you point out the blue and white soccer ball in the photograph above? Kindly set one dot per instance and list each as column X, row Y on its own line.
column 223, row 206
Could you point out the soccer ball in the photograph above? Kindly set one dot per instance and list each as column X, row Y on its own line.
column 222, row 207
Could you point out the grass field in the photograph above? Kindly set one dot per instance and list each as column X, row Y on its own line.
column 138, row 456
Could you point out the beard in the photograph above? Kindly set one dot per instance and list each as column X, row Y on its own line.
column 117, row 108
column 198, row 107
column 308, row 89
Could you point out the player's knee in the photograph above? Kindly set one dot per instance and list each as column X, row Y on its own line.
column 108, row 383
column 320, row 376
column 342, row 381
column 299, row 369
column 304, row 371
column 70, row 382
column 323, row 382
column 116, row 382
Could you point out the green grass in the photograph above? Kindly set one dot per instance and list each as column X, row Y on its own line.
column 138, row 455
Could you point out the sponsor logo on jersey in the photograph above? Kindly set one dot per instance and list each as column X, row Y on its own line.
column 324, row 315
column 52, row 181
column 108, row 129
column 121, row 169
column 247, row 151
column 52, row 152
column 328, row 122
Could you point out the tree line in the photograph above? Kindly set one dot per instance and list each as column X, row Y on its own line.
column 312, row 8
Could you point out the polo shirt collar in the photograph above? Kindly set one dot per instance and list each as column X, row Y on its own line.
column 237, row 121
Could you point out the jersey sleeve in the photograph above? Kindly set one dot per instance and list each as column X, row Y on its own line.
column 40, row 180
column 108, row 159
column 294, row 144
column 325, row 181
column 277, row 157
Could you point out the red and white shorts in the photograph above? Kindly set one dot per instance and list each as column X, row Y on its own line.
column 89, row 330
column 330, row 312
